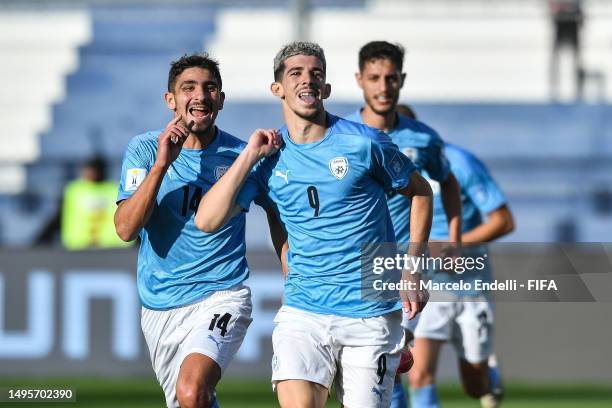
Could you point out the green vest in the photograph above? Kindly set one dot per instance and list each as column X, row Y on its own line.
column 87, row 215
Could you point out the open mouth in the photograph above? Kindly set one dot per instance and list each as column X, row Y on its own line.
column 309, row 96
column 199, row 112
column 383, row 99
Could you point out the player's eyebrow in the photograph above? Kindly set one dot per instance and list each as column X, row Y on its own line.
column 188, row 82
column 298, row 68
column 194, row 82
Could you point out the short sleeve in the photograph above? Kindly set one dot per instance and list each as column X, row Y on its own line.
column 391, row 168
column 252, row 189
column 480, row 186
column 437, row 165
column 137, row 162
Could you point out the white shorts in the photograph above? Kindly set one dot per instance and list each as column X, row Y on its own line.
column 411, row 325
column 467, row 324
column 360, row 354
column 214, row 326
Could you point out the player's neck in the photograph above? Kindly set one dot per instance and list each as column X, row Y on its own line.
column 199, row 141
column 385, row 122
column 302, row 131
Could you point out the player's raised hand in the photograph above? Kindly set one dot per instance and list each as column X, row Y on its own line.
column 265, row 142
column 170, row 141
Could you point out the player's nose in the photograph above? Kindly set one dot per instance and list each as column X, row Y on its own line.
column 383, row 86
column 308, row 78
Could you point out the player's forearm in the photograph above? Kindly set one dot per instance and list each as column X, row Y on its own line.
column 420, row 219
column 451, row 201
column 421, row 212
column 499, row 223
column 219, row 204
column 133, row 213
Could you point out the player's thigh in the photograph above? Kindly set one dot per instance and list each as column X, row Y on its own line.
column 302, row 347
column 301, row 394
column 163, row 338
column 367, row 372
column 219, row 326
column 473, row 334
column 213, row 327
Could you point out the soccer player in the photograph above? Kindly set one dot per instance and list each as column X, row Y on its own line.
column 195, row 308
column 467, row 322
column 329, row 178
column 381, row 79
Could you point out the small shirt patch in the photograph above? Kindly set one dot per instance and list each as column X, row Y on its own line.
column 134, row 178
column 338, row 167
column 396, row 165
column 220, row 171
column 412, row 153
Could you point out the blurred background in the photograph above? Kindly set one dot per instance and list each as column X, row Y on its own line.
column 515, row 82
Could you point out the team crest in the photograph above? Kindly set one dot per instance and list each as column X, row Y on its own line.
column 396, row 165
column 220, row 171
column 339, row 167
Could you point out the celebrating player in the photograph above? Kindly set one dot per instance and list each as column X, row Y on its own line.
column 329, row 178
column 195, row 308
column 381, row 78
column 468, row 321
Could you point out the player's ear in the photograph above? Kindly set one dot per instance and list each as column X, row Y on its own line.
column 358, row 78
column 403, row 78
column 170, row 101
column 221, row 99
column 277, row 90
column 326, row 91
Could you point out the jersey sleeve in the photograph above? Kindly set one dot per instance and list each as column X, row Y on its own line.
column 137, row 162
column 437, row 165
column 391, row 168
column 480, row 186
column 252, row 189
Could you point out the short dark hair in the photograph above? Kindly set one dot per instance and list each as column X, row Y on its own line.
column 202, row 60
column 293, row 49
column 381, row 50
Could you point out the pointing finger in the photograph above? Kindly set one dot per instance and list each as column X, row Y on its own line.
column 176, row 120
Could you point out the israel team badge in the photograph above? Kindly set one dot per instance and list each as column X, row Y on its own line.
column 220, row 171
column 338, row 167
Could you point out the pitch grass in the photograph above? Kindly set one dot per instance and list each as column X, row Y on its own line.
column 235, row 393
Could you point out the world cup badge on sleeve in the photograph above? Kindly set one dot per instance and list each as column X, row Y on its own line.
column 134, row 178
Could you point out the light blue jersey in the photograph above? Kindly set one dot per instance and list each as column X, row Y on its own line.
column 480, row 195
column 425, row 149
column 331, row 196
column 177, row 263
